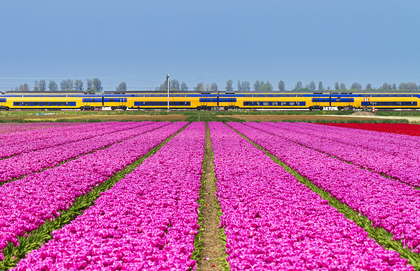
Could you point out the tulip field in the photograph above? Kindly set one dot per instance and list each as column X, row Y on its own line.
column 289, row 196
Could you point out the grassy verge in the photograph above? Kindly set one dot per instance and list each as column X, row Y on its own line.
column 222, row 260
column 379, row 234
column 38, row 237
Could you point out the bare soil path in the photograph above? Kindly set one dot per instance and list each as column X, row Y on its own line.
column 211, row 243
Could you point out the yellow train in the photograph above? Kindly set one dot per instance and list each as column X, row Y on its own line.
column 37, row 100
column 207, row 100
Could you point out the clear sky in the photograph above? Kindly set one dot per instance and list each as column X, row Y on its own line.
column 195, row 41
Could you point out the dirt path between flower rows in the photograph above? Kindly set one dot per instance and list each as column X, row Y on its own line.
column 211, row 243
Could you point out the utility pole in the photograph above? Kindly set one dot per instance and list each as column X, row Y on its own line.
column 167, row 87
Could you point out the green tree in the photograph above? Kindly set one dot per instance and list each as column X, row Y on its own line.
column 343, row 86
column 89, row 84
column 97, row 84
column 368, row 86
column 42, row 85
column 229, row 85
column 184, row 87
column 356, row 85
column 36, row 88
column 53, row 86
column 239, row 85
column 336, row 86
column 312, row 86
column 298, row 85
column 24, row 87
column 78, row 85
column 174, row 85
column 281, row 85
column 266, row 87
column 245, row 86
column 320, row 86
column 199, row 87
column 121, row 87
column 63, row 85
column 257, row 85
column 214, row 87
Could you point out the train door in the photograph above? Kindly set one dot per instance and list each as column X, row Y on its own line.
column 231, row 102
column 3, row 103
column 87, row 102
column 123, row 103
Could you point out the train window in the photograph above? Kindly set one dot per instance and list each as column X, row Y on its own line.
column 16, row 103
column 26, row 103
column 265, row 103
column 54, row 103
column 299, row 95
column 383, row 95
column 291, row 103
column 275, row 103
column 36, row 103
column 283, row 103
column 248, row 95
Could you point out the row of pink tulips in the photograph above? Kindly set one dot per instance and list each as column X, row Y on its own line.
column 388, row 203
column 42, row 134
column 274, row 222
column 25, row 204
column 384, row 144
column 55, row 137
column 380, row 161
column 35, row 161
column 19, row 127
column 147, row 221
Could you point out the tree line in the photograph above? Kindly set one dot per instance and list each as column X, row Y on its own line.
column 91, row 85
column 96, row 85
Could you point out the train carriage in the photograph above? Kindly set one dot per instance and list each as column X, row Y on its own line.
column 41, row 100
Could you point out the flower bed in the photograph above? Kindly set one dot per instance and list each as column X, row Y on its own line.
column 54, row 137
column 274, row 222
column 394, row 161
column 396, row 128
column 147, row 221
column 25, row 204
column 35, row 161
column 387, row 203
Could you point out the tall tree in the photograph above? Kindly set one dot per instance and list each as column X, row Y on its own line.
column 70, row 84
column 312, row 86
column 336, row 86
column 245, row 86
column 78, row 85
column 89, row 84
column 199, row 87
column 229, row 85
column 239, row 85
column 343, row 86
column 53, row 86
column 281, row 85
column 36, row 88
column 356, row 85
column 266, row 87
column 174, row 85
column 394, row 86
column 121, row 87
column 97, row 84
column 16, row 89
column 257, row 85
column 63, row 85
column 214, row 87
column 368, row 86
column 385, row 86
column 298, row 85
column 42, row 85
column 24, row 87
column 320, row 86
column 184, row 87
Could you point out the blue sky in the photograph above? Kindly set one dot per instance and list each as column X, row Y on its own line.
column 209, row 41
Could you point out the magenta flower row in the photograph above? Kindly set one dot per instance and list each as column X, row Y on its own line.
column 381, row 161
column 274, row 222
column 35, row 161
column 14, row 138
column 388, row 203
column 56, row 137
column 147, row 221
column 27, row 203
column 19, row 127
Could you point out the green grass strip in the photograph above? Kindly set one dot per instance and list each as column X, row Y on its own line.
column 379, row 234
column 38, row 237
column 198, row 246
column 222, row 260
